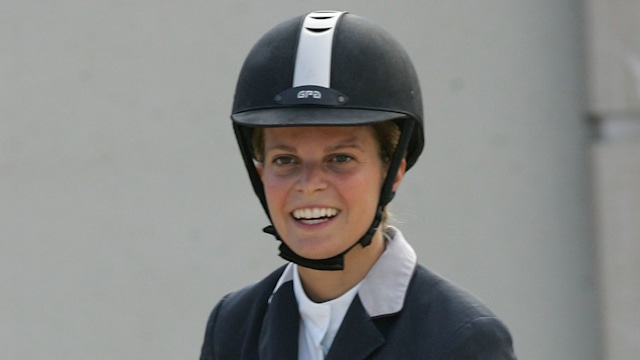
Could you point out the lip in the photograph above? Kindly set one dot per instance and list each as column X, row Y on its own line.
column 312, row 227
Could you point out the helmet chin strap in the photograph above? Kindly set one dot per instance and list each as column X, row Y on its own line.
column 336, row 263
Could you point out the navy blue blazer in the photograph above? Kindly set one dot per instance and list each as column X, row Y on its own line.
column 437, row 321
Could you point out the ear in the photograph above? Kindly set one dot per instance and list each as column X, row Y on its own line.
column 260, row 169
column 400, row 175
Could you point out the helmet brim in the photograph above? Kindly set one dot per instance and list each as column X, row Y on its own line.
column 313, row 116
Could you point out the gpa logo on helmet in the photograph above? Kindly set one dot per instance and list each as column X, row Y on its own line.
column 309, row 94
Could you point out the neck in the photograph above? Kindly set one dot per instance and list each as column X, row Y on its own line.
column 321, row 286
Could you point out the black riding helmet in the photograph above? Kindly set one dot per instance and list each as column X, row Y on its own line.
column 328, row 68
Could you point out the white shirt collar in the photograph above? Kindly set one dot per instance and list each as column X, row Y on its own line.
column 384, row 288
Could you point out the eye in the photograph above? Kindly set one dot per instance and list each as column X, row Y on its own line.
column 284, row 160
column 341, row 158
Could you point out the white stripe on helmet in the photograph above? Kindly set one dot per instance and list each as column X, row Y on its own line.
column 313, row 60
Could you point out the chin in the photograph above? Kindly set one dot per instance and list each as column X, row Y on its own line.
column 314, row 249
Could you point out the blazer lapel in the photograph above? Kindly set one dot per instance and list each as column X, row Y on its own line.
column 357, row 337
column 279, row 335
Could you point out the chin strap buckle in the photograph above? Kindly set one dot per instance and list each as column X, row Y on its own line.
column 271, row 230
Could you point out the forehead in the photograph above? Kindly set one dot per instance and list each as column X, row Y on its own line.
column 318, row 134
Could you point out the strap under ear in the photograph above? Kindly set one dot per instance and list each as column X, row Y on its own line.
column 387, row 193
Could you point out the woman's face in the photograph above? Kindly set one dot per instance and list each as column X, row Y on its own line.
column 322, row 185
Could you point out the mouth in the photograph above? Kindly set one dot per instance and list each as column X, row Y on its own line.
column 314, row 216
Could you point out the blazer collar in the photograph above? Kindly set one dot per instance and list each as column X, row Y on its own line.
column 279, row 335
column 384, row 288
column 358, row 336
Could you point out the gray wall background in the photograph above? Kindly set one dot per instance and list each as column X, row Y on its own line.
column 125, row 212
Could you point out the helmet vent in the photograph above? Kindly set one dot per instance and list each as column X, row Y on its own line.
column 318, row 30
column 318, row 17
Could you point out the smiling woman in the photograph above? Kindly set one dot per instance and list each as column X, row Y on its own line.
column 326, row 153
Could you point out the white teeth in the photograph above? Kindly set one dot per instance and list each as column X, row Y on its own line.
column 315, row 213
column 314, row 221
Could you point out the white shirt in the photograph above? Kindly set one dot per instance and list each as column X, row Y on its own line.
column 319, row 321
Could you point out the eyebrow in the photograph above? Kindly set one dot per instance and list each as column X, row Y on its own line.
column 348, row 143
column 282, row 147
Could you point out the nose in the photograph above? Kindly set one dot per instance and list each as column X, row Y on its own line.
column 312, row 178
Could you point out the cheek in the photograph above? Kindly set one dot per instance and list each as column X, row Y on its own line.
column 363, row 189
column 274, row 189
